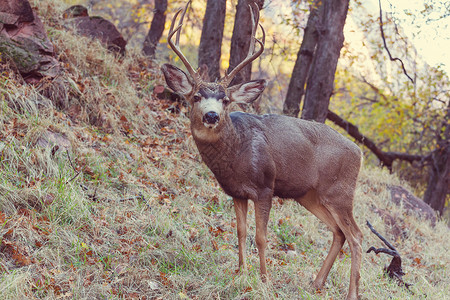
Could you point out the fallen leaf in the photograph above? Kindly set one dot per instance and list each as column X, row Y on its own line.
column 2, row 217
column 164, row 280
column 215, row 245
column 158, row 89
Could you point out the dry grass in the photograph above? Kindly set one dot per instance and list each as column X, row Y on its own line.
column 144, row 218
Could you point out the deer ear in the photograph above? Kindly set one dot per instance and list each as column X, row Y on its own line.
column 176, row 79
column 247, row 92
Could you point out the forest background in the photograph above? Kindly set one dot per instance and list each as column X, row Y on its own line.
column 103, row 193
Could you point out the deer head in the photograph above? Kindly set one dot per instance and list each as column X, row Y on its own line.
column 210, row 101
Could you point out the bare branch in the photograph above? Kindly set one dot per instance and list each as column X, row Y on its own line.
column 78, row 173
column 386, row 47
column 139, row 196
column 386, row 158
column 374, row 88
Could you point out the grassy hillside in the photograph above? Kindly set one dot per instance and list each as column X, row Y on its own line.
column 103, row 195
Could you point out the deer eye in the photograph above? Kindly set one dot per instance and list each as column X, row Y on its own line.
column 197, row 98
column 226, row 101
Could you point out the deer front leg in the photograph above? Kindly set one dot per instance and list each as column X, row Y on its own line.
column 262, row 211
column 241, row 207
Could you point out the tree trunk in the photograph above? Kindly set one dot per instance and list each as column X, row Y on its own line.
column 319, row 87
column 437, row 189
column 156, row 28
column 439, row 181
column 302, row 65
column 209, row 50
column 240, row 40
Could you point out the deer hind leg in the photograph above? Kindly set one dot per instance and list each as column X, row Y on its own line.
column 311, row 203
column 344, row 219
column 241, row 208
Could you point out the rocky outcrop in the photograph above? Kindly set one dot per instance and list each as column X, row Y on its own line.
column 24, row 40
column 401, row 196
column 96, row 28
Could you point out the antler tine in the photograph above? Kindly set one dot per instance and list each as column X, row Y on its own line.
column 176, row 47
column 171, row 31
column 251, row 55
column 177, row 40
column 251, row 47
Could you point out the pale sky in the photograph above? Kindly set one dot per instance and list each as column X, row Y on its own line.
column 433, row 42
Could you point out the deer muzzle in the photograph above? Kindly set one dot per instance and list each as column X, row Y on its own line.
column 211, row 118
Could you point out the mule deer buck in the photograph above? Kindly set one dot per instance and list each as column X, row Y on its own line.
column 258, row 157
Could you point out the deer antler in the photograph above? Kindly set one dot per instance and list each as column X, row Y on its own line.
column 251, row 55
column 176, row 47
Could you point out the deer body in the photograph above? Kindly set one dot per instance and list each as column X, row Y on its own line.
column 276, row 152
column 259, row 157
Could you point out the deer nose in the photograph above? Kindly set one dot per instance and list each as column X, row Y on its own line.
column 211, row 117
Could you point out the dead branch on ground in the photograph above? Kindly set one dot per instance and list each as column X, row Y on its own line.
column 394, row 270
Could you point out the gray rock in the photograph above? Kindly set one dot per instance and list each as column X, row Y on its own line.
column 23, row 39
